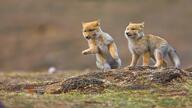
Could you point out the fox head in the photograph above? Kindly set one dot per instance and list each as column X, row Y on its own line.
column 134, row 30
column 91, row 29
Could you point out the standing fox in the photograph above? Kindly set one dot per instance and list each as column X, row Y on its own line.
column 149, row 46
column 102, row 45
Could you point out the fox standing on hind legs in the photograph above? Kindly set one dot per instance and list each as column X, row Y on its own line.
column 102, row 45
column 149, row 46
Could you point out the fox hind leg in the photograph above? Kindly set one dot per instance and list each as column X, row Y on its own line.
column 101, row 62
column 116, row 62
column 159, row 58
column 146, row 59
column 164, row 62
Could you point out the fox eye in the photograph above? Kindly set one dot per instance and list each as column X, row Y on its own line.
column 133, row 29
column 90, row 30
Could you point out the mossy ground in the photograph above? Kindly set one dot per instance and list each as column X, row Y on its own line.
column 175, row 95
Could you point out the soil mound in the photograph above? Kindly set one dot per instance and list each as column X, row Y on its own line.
column 125, row 78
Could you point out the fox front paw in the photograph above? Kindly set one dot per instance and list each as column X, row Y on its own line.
column 85, row 52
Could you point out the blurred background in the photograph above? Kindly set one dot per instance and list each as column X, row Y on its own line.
column 38, row 34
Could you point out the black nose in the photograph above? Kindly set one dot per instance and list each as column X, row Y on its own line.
column 88, row 37
column 128, row 34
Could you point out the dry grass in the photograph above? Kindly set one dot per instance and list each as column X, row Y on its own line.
column 136, row 88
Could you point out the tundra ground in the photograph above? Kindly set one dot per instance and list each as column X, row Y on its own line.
column 124, row 88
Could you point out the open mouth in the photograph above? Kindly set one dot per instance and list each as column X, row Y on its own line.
column 129, row 34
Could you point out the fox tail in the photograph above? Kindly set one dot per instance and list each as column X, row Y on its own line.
column 174, row 57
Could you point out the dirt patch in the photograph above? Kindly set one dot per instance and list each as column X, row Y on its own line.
column 126, row 78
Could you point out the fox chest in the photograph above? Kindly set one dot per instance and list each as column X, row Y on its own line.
column 138, row 48
column 103, row 48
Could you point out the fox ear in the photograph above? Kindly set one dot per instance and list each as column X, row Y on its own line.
column 82, row 23
column 97, row 22
column 142, row 24
column 130, row 23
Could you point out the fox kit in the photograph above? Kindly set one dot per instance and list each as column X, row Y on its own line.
column 149, row 46
column 102, row 45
